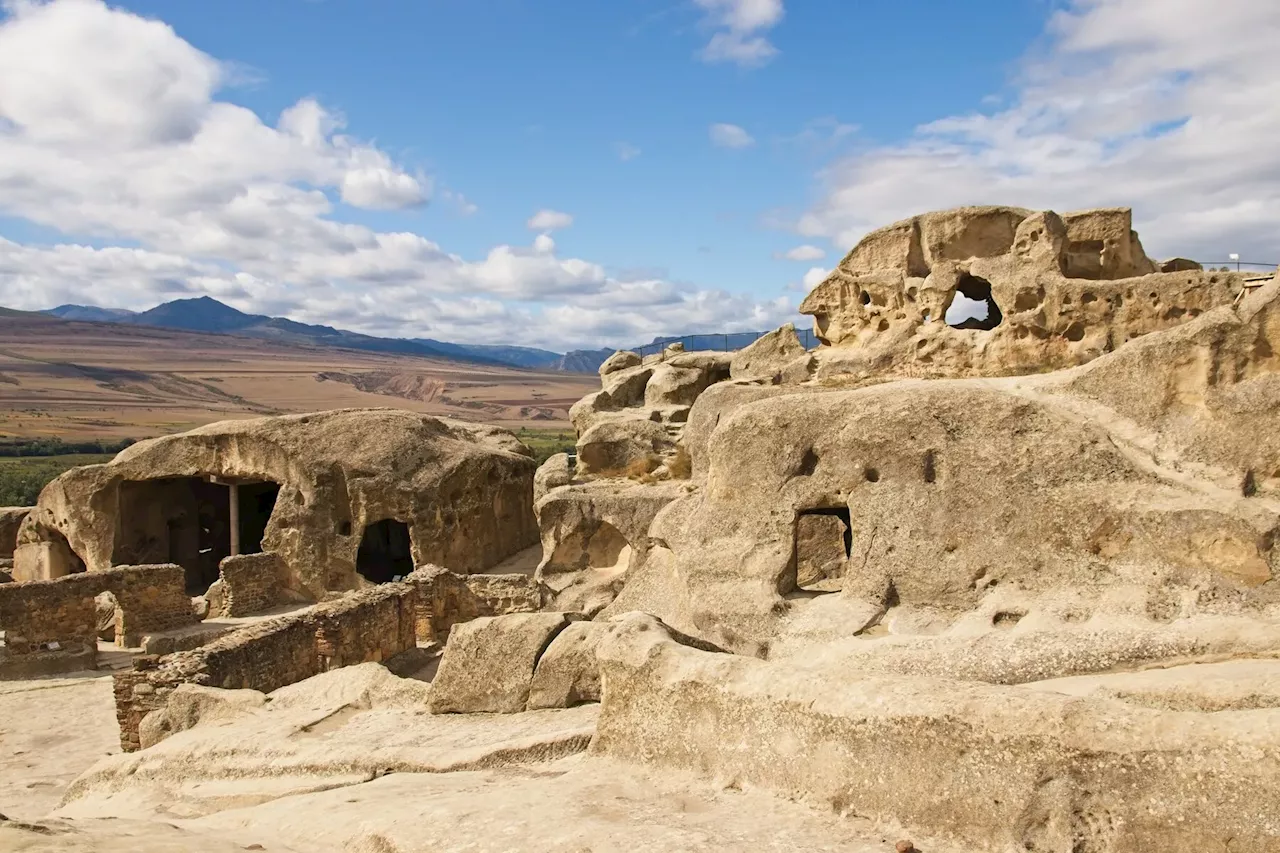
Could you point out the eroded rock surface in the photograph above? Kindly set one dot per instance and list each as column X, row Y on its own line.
column 443, row 492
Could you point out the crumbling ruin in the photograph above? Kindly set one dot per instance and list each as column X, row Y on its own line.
column 994, row 566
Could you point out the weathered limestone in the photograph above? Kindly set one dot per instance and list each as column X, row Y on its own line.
column 11, row 518
column 593, row 536
column 190, row 704
column 567, row 673
column 616, row 446
column 488, row 663
column 552, row 474
column 769, row 356
column 313, row 484
column 995, row 768
column 620, row 360
column 1060, row 291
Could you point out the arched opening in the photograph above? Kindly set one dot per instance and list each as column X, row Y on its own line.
column 59, row 558
column 822, row 546
column 972, row 306
column 386, row 552
column 191, row 521
column 602, row 548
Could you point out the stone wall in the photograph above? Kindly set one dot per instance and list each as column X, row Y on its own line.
column 446, row 598
column 62, row 612
column 253, row 583
column 372, row 625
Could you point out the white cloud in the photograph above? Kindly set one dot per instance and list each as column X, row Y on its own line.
column 730, row 136
column 111, row 131
column 739, row 25
column 1169, row 106
column 380, row 188
column 626, row 151
column 802, row 253
column 549, row 220
column 814, row 277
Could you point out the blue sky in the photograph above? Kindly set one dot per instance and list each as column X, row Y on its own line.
column 465, row 119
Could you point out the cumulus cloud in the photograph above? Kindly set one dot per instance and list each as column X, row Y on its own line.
column 730, row 136
column 802, row 253
column 739, row 27
column 1172, row 109
column 815, row 277
column 112, row 131
column 549, row 220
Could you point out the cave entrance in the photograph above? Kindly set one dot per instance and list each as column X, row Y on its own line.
column 191, row 521
column 386, row 552
column 822, row 546
column 972, row 306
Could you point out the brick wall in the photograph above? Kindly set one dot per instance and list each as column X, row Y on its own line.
column 252, row 583
column 446, row 598
column 34, row 614
column 371, row 625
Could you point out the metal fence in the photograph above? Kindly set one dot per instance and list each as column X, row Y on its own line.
column 719, row 343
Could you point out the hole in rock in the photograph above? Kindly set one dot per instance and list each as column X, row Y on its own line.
column 808, row 463
column 386, row 551
column 865, row 298
column 1074, row 332
column 191, row 521
column 972, row 306
column 872, row 475
column 930, row 466
column 344, row 528
column 1006, row 619
column 821, row 548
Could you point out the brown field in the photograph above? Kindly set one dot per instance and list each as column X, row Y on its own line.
column 76, row 380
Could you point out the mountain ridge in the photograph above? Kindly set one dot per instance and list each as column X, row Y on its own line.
column 208, row 315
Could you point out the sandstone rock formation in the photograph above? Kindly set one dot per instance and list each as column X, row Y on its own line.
column 989, row 582
column 489, row 662
column 1057, row 291
column 334, row 494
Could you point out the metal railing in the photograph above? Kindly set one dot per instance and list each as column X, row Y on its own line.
column 724, row 342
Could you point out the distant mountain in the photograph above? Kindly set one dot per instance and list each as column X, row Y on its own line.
column 89, row 313
column 515, row 356
column 205, row 314
column 582, row 360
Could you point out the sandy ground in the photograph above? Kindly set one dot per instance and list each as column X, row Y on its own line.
column 51, row 731
column 54, row 729
column 91, row 379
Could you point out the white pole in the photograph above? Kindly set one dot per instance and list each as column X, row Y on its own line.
column 233, row 490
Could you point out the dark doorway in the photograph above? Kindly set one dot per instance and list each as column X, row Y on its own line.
column 385, row 551
column 257, row 501
column 187, row 521
column 972, row 306
column 823, row 543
